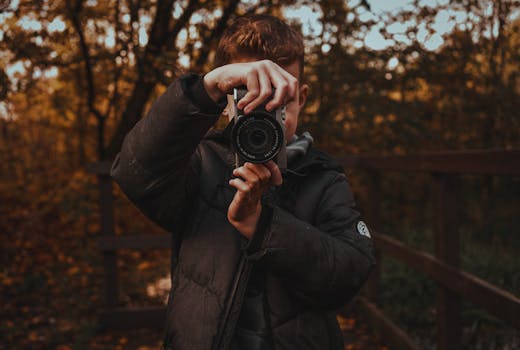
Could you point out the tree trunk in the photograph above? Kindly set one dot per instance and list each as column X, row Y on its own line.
column 131, row 115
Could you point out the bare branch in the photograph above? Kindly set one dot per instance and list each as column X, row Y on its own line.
column 117, row 69
column 210, row 42
column 193, row 5
column 74, row 12
column 147, row 76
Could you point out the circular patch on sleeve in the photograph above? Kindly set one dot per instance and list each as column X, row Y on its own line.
column 363, row 229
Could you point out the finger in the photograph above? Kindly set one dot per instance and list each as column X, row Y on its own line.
column 245, row 195
column 261, row 171
column 276, row 175
column 281, row 83
column 247, row 176
column 226, row 85
column 286, row 90
column 265, row 90
column 253, row 89
column 239, row 184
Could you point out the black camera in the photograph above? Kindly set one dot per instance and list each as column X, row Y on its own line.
column 259, row 136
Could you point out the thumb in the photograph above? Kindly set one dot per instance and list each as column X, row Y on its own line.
column 276, row 175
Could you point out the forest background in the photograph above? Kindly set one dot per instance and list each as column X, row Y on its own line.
column 76, row 75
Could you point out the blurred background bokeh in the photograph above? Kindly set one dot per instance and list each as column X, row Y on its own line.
column 387, row 77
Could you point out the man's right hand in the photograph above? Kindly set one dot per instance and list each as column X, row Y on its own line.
column 259, row 77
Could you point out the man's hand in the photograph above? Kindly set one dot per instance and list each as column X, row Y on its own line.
column 259, row 77
column 251, row 181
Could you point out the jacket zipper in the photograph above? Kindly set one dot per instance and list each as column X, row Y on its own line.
column 233, row 306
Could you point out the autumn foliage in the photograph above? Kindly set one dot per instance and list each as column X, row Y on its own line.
column 76, row 75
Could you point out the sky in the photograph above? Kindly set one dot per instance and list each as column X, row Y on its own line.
column 308, row 15
column 374, row 40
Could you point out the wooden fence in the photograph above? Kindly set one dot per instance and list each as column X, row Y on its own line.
column 443, row 267
column 114, row 316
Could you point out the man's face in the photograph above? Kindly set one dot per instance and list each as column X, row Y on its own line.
column 293, row 108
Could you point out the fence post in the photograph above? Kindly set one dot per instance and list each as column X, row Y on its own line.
column 447, row 250
column 106, row 211
column 374, row 217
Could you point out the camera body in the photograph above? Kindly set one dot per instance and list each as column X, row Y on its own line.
column 259, row 136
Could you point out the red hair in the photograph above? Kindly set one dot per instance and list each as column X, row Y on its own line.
column 262, row 37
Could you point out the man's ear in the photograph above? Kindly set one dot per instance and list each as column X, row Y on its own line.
column 304, row 92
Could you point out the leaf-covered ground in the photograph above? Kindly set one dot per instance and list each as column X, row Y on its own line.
column 51, row 272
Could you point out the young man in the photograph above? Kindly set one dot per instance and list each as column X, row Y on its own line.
column 260, row 259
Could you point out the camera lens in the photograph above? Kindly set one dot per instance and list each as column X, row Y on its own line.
column 257, row 137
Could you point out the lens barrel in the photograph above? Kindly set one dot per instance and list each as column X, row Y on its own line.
column 257, row 137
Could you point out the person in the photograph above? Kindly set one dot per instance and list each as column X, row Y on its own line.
column 261, row 258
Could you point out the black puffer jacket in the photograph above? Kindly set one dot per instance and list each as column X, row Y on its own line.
column 314, row 259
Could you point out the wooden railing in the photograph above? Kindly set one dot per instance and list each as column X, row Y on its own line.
column 114, row 316
column 443, row 267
